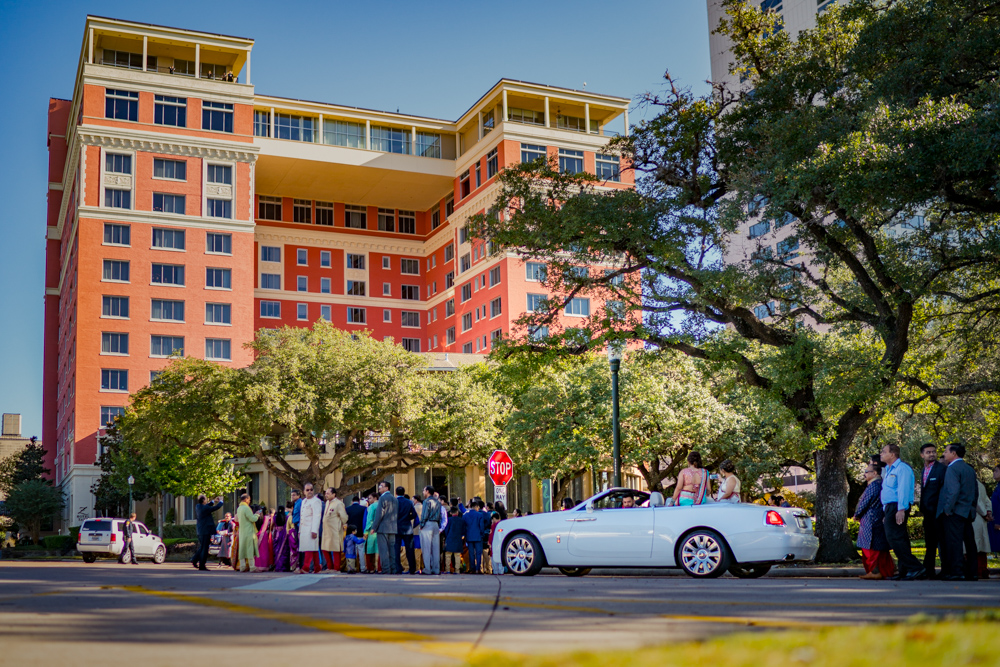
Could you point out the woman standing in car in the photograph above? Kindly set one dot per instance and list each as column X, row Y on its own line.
column 692, row 483
column 729, row 484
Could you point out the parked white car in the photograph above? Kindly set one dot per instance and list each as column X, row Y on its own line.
column 703, row 540
column 105, row 537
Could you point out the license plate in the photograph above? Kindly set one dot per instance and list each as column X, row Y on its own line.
column 803, row 522
column 95, row 538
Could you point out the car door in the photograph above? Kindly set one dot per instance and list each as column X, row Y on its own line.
column 143, row 545
column 611, row 536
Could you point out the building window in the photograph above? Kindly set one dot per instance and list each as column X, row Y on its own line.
column 115, row 270
column 386, row 263
column 570, row 162
column 356, row 287
column 495, row 336
column 355, row 217
column 302, row 284
column 270, row 281
column 268, row 208
column 540, row 333
column 270, row 309
column 391, row 140
column 118, row 164
column 464, row 185
column 270, row 253
column 409, row 318
column 528, row 116
column 449, row 252
column 788, row 249
column 175, row 170
column 167, row 311
column 168, row 203
column 407, row 222
column 324, row 285
column 386, row 315
column 449, row 307
column 764, row 310
column 467, row 348
column 324, row 213
column 409, row 266
column 435, row 218
column 219, row 208
column 386, row 289
column 495, row 309
column 117, row 198
column 579, row 307
column 535, row 302
column 325, row 259
column 449, row 280
column 354, row 261
column 356, row 316
column 302, row 211
column 219, row 278
column 532, row 152
column 114, row 306
column 164, row 346
column 450, row 335
column 494, row 276
column 114, row 380
column 492, row 163
column 534, row 272
column 759, row 229
column 109, row 413
column 479, row 175
column 449, row 208
column 168, row 274
column 466, row 322
column 411, row 344
column 411, row 292
column 428, row 145
column 466, row 292
column 117, row 234
column 261, row 123
column 172, row 239
column 465, row 263
column 302, row 311
column 217, row 349
column 302, row 257
column 114, row 343
column 386, row 220
column 218, row 313
column 217, row 116
column 608, row 168
column 121, row 104
column 221, row 174
column 342, row 133
column 294, row 128
column 170, row 111
column 126, row 59
column 326, row 312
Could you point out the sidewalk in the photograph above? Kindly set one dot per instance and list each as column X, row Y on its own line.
column 797, row 571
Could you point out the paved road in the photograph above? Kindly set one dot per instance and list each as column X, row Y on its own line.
column 89, row 614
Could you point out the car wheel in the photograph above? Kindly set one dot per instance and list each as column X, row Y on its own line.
column 89, row 557
column 703, row 554
column 160, row 555
column 124, row 558
column 522, row 555
column 575, row 571
column 749, row 571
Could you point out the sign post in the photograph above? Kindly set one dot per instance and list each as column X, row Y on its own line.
column 501, row 470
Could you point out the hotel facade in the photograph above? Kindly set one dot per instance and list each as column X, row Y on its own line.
column 186, row 211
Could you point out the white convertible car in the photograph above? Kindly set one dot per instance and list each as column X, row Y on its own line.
column 703, row 540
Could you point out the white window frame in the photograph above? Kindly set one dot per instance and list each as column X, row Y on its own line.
column 104, row 178
column 206, row 186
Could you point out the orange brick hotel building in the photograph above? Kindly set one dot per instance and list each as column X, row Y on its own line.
column 185, row 211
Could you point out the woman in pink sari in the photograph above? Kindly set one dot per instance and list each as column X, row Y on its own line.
column 279, row 539
column 265, row 560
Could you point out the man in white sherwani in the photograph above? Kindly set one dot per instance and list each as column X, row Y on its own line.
column 310, row 517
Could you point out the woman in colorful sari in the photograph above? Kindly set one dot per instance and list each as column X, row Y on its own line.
column 263, row 561
column 871, row 534
column 371, row 541
column 248, row 550
column 279, row 540
column 692, row 483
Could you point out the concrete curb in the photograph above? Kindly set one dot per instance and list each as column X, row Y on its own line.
column 784, row 571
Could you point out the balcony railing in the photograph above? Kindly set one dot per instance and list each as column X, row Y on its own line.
column 167, row 70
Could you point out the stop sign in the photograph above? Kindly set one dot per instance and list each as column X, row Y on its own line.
column 500, row 467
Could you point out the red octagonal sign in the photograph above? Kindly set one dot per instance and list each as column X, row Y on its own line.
column 501, row 467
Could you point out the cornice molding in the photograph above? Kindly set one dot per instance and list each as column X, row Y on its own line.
column 344, row 241
column 155, row 142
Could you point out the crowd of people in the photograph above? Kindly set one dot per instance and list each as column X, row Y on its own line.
column 383, row 532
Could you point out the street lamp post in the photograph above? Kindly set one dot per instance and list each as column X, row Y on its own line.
column 131, row 481
column 615, row 359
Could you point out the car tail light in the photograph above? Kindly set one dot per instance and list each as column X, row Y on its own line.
column 774, row 519
column 113, row 536
column 78, row 536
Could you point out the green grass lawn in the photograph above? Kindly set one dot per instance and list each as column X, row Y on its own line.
column 928, row 644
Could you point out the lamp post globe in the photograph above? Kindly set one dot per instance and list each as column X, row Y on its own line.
column 615, row 351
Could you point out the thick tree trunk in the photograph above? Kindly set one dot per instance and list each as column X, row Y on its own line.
column 831, row 504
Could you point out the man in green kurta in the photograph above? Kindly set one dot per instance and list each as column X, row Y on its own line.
column 247, row 520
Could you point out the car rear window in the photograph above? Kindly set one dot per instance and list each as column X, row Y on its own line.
column 97, row 526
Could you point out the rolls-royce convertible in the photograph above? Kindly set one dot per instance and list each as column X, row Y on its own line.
column 628, row 529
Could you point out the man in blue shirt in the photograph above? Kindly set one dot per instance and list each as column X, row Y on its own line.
column 897, row 498
column 293, row 535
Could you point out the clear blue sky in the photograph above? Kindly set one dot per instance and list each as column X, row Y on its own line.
column 427, row 58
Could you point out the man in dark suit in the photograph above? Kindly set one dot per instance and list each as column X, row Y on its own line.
column 205, row 527
column 956, row 511
column 405, row 514
column 931, row 480
column 476, row 529
column 384, row 525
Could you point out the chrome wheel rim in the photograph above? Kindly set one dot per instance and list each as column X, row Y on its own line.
column 160, row 556
column 520, row 554
column 701, row 554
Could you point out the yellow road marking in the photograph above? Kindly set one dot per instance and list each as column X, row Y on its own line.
column 365, row 633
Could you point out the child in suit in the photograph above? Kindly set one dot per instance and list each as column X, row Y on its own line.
column 454, row 540
column 351, row 542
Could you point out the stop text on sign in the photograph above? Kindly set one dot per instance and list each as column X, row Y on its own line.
column 500, row 467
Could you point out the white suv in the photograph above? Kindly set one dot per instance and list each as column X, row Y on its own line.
column 104, row 536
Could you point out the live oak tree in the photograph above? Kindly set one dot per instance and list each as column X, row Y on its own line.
column 873, row 139
column 314, row 402
column 33, row 503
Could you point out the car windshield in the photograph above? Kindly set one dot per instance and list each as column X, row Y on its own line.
column 97, row 526
column 621, row 499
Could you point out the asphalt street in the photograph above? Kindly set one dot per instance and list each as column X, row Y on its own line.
column 72, row 613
